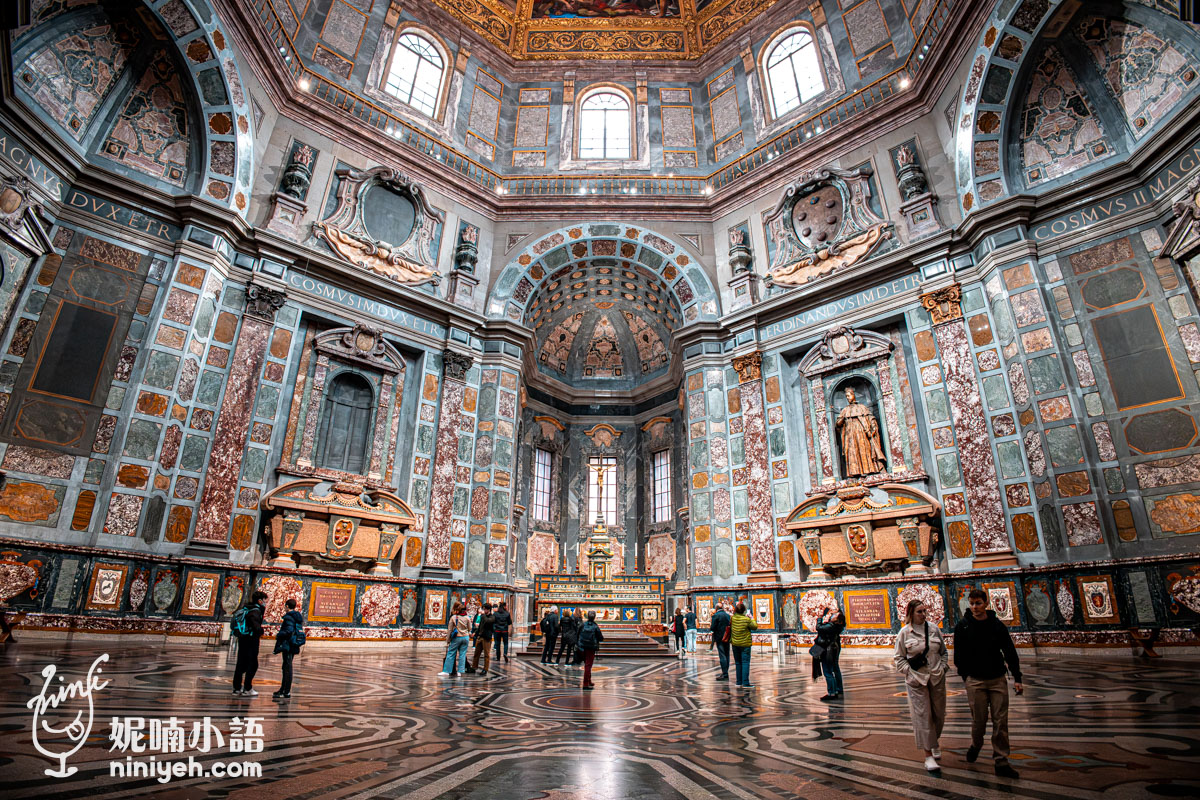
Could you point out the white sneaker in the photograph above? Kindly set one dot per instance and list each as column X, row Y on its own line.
column 937, row 753
column 250, row 693
column 237, row 693
column 931, row 764
column 443, row 674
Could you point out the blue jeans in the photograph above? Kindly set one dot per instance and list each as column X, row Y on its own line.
column 456, row 655
column 831, row 671
column 690, row 639
column 741, row 658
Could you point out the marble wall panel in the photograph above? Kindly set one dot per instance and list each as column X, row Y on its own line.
column 762, row 526
column 437, row 550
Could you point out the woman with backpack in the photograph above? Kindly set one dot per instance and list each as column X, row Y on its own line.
column 288, row 641
column 590, row 638
column 922, row 658
column 456, row 643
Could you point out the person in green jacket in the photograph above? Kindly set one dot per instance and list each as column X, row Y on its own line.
column 741, row 625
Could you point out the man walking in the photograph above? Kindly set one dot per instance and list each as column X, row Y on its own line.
column 483, row 640
column 689, row 621
column 247, row 627
column 982, row 649
column 502, row 624
column 721, row 633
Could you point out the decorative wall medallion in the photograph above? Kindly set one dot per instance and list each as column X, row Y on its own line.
column 408, row 606
column 812, row 604
column 166, row 587
column 602, row 435
column 790, row 614
column 1038, row 603
column 200, row 593
column 1002, row 598
column 1097, row 596
column 393, row 204
column 823, row 224
column 935, row 606
column 107, row 582
column 380, row 605
column 231, row 595
column 138, row 588
column 1065, row 601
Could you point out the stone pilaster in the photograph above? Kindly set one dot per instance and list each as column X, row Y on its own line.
column 211, row 535
column 441, row 490
column 758, row 485
column 989, row 531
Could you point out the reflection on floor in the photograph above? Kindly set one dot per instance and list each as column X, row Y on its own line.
column 379, row 723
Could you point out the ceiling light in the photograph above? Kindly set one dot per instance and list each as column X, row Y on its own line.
column 499, row 188
column 808, row 134
column 305, row 85
column 583, row 190
column 633, row 190
column 904, row 82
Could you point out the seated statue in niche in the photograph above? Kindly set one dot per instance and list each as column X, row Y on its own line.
column 859, row 433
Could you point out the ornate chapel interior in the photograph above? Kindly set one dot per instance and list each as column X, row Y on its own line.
column 388, row 304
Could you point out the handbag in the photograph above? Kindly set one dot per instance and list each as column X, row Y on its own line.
column 919, row 661
column 817, row 651
column 727, row 635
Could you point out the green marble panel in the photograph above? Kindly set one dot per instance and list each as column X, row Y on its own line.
column 949, row 475
column 1064, row 447
column 142, row 439
column 194, row 450
column 1012, row 464
column 254, row 465
column 161, row 369
column 1045, row 374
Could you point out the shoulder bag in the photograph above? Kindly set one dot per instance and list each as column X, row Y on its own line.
column 919, row 661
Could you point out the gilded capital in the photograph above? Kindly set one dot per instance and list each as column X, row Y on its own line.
column 945, row 304
column 749, row 367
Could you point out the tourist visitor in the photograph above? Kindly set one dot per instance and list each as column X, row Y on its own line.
column 826, row 651
column 677, row 628
column 246, row 626
column 983, row 652
column 689, row 620
column 590, row 637
column 484, row 628
column 549, row 627
column 578, row 658
column 456, row 642
column 288, row 642
column 740, row 626
column 568, row 633
column 502, row 624
column 719, row 625
column 921, row 658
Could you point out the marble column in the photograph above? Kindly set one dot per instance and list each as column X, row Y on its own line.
column 233, row 423
column 758, row 484
column 445, row 461
column 989, row 532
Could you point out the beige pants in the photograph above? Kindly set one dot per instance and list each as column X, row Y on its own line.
column 989, row 698
column 927, row 705
column 483, row 647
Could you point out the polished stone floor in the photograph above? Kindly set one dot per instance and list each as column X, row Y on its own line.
column 368, row 722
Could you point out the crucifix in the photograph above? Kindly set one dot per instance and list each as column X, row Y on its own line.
column 600, row 469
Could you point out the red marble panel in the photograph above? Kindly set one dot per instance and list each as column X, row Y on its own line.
column 233, row 425
column 758, row 488
column 441, row 490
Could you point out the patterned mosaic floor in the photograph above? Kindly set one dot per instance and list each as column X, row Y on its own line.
column 379, row 723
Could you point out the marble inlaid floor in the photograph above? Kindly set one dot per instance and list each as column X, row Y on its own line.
column 372, row 722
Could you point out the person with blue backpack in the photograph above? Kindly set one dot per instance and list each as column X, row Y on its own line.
column 247, row 627
column 288, row 641
column 589, row 641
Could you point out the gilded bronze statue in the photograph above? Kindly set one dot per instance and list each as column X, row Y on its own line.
column 860, row 439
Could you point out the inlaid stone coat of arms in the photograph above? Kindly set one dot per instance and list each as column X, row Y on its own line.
column 823, row 224
column 383, row 222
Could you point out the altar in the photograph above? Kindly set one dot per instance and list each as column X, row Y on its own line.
column 619, row 600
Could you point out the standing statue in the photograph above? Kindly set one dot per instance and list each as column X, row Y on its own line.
column 860, row 439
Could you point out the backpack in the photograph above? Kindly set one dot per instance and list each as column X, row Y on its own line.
column 240, row 624
column 587, row 639
column 299, row 638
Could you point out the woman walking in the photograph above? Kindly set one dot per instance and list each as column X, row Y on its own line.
column 921, row 658
column 829, row 641
column 742, row 642
column 457, row 635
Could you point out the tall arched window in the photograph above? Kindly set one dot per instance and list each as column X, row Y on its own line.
column 793, row 70
column 605, row 125
column 416, row 74
column 346, row 424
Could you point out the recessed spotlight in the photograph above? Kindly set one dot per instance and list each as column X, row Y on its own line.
column 305, row 84
column 904, row 82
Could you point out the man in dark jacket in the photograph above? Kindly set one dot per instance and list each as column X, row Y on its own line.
column 720, row 636
column 982, row 651
column 568, row 630
column 485, row 627
column 285, row 645
column 549, row 627
column 247, row 647
column 502, row 623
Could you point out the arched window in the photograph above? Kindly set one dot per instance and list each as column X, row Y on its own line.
column 416, row 74
column 605, row 125
column 793, row 70
column 346, row 424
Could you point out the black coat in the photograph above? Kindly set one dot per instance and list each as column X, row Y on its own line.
column 292, row 622
column 569, row 629
column 503, row 621
column 982, row 648
column 719, row 624
column 549, row 625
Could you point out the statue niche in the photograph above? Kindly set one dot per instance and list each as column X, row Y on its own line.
column 858, row 433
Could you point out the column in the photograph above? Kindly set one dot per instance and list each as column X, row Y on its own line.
column 445, row 455
column 211, row 536
column 758, row 485
column 989, row 533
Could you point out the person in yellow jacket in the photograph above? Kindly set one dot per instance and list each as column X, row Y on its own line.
column 741, row 625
